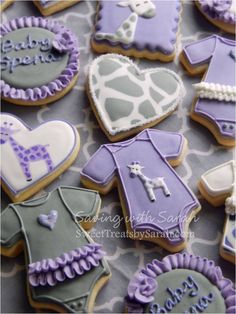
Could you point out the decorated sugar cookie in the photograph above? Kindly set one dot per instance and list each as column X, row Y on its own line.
column 180, row 283
column 39, row 61
column 222, row 13
column 218, row 187
column 138, row 28
column 156, row 203
column 5, row 4
column 126, row 99
column 65, row 268
column 33, row 158
column 48, row 7
column 216, row 94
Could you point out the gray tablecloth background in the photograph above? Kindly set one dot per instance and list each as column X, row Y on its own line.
column 125, row 256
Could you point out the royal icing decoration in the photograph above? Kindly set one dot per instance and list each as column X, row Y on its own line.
column 149, row 184
column 216, row 91
column 45, row 53
column 219, row 181
column 159, row 201
column 49, row 220
column 126, row 97
column 222, row 10
column 138, row 24
column 64, row 264
column 219, row 82
column 180, row 283
column 33, row 154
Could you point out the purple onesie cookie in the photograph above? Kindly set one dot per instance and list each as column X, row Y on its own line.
column 215, row 107
column 157, row 205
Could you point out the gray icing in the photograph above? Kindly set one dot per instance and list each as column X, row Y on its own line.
column 146, row 109
column 116, row 110
column 165, row 81
column 155, row 95
column 71, row 204
column 128, row 94
column 124, row 85
column 31, row 75
column 166, row 295
column 107, row 67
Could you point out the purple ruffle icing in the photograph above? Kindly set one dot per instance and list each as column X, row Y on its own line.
column 137, row 299
column 64, row 79
column 218, row 9
column 48, row 272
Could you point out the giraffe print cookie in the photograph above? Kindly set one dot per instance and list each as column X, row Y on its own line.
column 33, row 158
column 138, row 28
column 126, row 99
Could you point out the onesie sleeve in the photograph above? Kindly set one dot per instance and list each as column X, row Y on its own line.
column 201, row 51
column 101, row 167
column 169, row 144
column 81, row 202
column 10, row 227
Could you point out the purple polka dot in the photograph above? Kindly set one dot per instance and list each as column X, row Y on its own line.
column 32, row 157
column 38, row 154
column 26, row 159
column 16, row 149
column 21, row 155
column 35, row 148
column 21, row 147
column 46, row 156
column 27, row 151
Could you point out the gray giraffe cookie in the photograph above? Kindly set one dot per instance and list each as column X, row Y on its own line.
column 126, row 99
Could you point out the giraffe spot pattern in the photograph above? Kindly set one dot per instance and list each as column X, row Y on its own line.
column 116, row 110
column 165, row 81
column 130, row 97
column 107, row 67
column 124, row 85
column 146, row 109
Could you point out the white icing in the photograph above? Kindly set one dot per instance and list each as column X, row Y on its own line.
column 124, row 123
column 216, row 91
column 230, row 202
column 219, row 180
column 58, row 137
column 145, row 8
column 150, row 184
column 232, row 8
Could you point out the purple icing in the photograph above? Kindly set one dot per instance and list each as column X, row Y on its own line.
column 179, row 261
column 164, row 215
column 142, row 288
column 215, row 51
column 155, row 34
column 69, row 265
column 218, row 9
column 49, row 220
column 63, row 42
column 64, row 79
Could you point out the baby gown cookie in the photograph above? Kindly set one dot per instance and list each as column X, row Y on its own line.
column 48, row 7
column 157, row 205
column 5, row 4
column 33, row 158
column 126, row 99
column 215, row 106
column 222, row 13
column 180, row 283
column 66, row 269
column 218, row 187
column 39, row 61
column 137, row 28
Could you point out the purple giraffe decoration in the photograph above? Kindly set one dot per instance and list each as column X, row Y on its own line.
column 25, row 155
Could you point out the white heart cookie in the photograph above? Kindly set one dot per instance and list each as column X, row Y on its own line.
column 125, row 97
column 30, row 157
